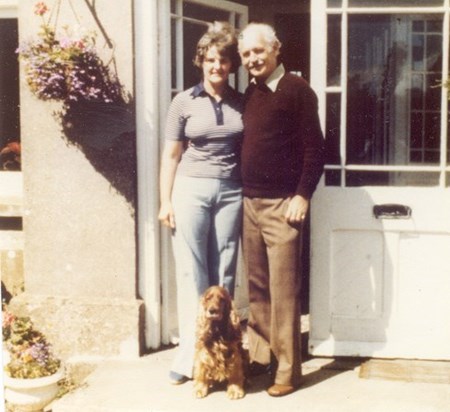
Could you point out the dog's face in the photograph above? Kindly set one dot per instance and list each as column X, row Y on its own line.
column 216, row 304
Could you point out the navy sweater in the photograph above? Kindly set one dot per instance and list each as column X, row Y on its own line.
column 283, row 146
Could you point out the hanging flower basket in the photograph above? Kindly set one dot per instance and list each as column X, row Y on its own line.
column 66, row 67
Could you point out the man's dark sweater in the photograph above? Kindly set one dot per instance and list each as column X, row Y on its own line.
column 283, row 147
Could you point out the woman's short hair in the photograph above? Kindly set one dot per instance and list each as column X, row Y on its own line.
column 221, row 35
column 266, row 31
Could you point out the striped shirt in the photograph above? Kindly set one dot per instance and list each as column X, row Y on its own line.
column 211, row 130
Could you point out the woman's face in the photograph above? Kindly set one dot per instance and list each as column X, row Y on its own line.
column 216, row 67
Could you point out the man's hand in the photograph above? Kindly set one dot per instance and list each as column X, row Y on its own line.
column 297, row 208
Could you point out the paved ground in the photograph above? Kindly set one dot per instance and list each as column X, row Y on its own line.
column 329, row 386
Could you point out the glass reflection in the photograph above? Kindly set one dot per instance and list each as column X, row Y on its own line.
column 332, row 132
column 393, row 105
column 334, row 3
column 395, row 3
column 191, row 34
column 334, row 50
column 396, row 179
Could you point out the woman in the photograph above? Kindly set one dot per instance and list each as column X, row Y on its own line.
column 200, row 188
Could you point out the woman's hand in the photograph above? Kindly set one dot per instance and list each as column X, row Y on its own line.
column 166, row 215
column 170, row 158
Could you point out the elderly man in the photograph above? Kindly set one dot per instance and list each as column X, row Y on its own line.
column 282, row 161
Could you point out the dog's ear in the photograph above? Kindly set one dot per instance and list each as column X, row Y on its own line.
column 227, row 304
column 234, row 322
column 234, row 317
column 201, row 316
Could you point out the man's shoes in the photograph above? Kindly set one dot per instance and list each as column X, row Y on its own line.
column 177, row 378
column 257, row 369
column 281, row 390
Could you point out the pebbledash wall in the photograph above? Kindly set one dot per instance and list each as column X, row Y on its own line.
column 79, row 171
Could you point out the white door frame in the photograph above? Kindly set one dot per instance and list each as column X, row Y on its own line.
column 147, row 135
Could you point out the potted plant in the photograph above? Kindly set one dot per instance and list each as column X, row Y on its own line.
column 66, row 67
column 31, row 371
column 10, row 156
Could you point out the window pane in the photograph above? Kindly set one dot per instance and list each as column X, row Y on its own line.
column 334, row 51
column 399, row 179
column 395, row 3
column 332, row 177
column 173, row 51
column 332, row 133
column 197, row 11
column 191, row 35
column 334, row 3
column 448, row 142
column 393, row 107
column 9, row 96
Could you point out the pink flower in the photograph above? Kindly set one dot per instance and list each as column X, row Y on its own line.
column 65, row 42
column 40, row 8
column 8, row 319
column 80, row 44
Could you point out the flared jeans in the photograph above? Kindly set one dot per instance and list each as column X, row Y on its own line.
column 208, row 219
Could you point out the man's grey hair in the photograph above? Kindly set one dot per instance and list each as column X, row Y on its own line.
column 265, row 30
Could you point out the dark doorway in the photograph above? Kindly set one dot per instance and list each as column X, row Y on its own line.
column 294, row 33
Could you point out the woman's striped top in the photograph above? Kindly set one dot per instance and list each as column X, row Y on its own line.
column 211, row 130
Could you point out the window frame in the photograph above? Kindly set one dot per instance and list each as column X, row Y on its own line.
column 9, row 9
column 238, row 18
column 11, row 182
column 344, row 11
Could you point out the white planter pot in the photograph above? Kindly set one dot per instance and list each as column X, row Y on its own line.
column 6, row 357
column 29, row 395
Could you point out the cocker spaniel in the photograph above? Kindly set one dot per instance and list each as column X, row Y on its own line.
column 219, row 355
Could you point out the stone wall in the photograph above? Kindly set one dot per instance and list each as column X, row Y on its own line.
column 79, row 173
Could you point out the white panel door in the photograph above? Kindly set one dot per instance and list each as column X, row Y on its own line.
column 380, row 269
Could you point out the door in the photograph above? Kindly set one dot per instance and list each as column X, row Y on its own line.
column 380, row 272
column 184, row 26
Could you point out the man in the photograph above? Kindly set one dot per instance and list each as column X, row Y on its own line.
column 282, row 161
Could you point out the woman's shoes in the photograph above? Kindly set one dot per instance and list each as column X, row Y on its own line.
column 177, row 378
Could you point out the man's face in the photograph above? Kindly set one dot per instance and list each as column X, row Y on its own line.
column 258, row 57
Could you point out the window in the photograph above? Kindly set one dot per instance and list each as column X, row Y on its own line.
column 393, row 106
column 188, row 23
column 9, row 96
column 385, row 115
column 394, row 3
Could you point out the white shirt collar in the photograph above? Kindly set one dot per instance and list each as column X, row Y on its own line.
column 273, row 80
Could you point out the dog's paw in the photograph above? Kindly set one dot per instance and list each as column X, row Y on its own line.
column 200, row 390
column 235, row 391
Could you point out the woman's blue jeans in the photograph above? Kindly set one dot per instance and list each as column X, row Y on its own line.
column 208, row 219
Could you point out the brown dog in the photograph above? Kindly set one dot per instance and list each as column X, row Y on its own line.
column 219, row 355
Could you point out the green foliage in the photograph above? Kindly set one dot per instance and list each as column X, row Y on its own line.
column 30, row 353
